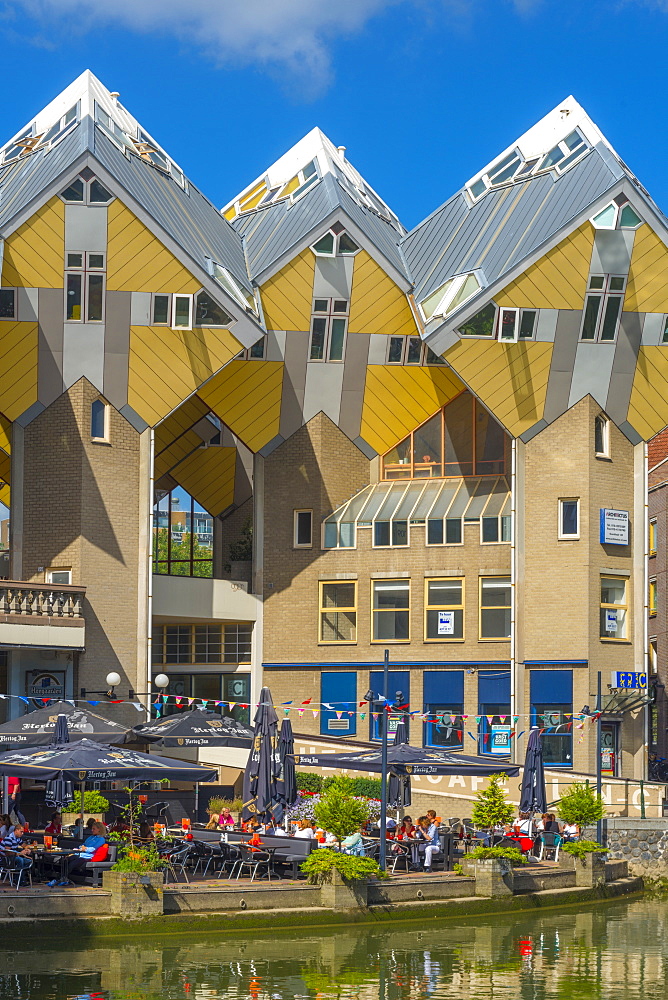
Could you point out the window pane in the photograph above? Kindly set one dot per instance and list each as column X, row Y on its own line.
column 340, row 306
column 439, row 627
column 338, row 626
column 459, row 436
column 527, row 324
column 427, row 445
column 434, row 359
column 508, row 324
column 613, row 590
column 347, row 535
column 435, row 531
column 236, row 687
column 74, row 296
column 304, row 519
column 489, row 444
column 338, row 595
column 97, row 421
column 393, row 594
column 206, row 687
column 177, row 644
column 390, row 625
column 599, row 435
column 99, row 194
column 381, row 533
column 617, row 284
column 612, row 311
column 208, row 643
column 482, row 324
column 209, row 313
column 330, row 535
column 182, row 310
column 453, row 530
column 325, row 244
column 505, row 527
column 431, row 303
column 336, row 340
column 490, row 529
column 400, row 532
column 96, row 260
column 257, row 350
column 495, row 623
column 496, row 592
column 591, row 317
column 629, row 218
column 7, row 303
column 569, row 517
column 161, row 308
column 237, row 643
column 75, row 192
column 597, row 281
column 414, row 351
column 444, row 593
column 346, row 244
column 321, row 305
column 95, row 296
column 75, row 260
column 469, row 287
column 606, row 218
column 318, row 331
column 396, row 349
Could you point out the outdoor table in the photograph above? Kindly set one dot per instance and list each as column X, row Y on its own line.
column 59, row 854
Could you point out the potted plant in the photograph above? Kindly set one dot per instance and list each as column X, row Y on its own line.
column 492, row 807
column 581, row 805
column 136, row 881
column 94, row 805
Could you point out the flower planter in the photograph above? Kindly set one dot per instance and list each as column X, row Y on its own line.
column 494, row 877
column 339, row 894
column 135, row 894
column 590, row 871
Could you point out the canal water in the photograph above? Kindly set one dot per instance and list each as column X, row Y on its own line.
column 617, row 950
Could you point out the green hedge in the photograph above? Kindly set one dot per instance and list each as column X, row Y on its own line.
column 315, row 783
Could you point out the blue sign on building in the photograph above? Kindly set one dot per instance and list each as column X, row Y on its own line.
column 628, row 679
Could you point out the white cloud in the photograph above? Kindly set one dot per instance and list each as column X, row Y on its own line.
column 292, row 35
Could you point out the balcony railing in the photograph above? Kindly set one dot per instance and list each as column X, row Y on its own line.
column 24, row 600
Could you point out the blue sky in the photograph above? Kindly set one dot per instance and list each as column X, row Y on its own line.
column 421, row 92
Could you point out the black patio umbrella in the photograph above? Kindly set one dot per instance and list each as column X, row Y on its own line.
column 37, row 729
column 196, row 728
column 399, row 786
column 286, row 783
column 533, row 797
column 260, row 794
column 58, row 790
column 405, row 759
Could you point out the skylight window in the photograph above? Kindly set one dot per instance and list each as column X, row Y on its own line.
column 141, row 145
column 335, row 243
column 619, row 214
column 513, row 167
column 29, row 140
column 449, row 296
column 565, row 152
column 233, row 288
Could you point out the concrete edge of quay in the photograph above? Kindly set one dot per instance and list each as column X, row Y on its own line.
column 88, row 927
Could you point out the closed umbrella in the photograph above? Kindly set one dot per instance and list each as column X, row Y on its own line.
column 286, row 784
column 399, row 786
column 37, row 729
column 534, row 795
column 264, row 765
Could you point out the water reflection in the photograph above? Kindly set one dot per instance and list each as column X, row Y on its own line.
column 618, row 951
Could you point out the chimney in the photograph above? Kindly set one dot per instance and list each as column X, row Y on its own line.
column 342, row 152
column 114, row 96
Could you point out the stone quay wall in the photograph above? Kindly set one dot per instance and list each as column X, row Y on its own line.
column 643, row 843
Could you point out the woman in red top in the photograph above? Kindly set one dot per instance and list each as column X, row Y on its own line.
column 406, row 829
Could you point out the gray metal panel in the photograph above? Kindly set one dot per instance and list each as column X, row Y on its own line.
column 566, row 339
column 140, row 310
column 50, row 382
column 534, row 430
column 86, row 227
column 612, row 251
column 378, row 349
column 117, row 347
column 624, row 366
column 324, row 381
column 333, row 278
column 652, row 329
column 591, row 372
column 294, row 382
column 557, row 396
column 83, row 353
column 133, row 418
column 354, row 380
column 27, row 305
column 546, row 327
column 276, row 345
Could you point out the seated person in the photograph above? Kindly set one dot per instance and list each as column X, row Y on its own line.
column 213, row 822
column 54, row 827
column 354, row 844
column 7, row 825
column 550, row 824
column 145, row 831
column 430, row 833
column 305, row 831
column 523, row 825
column 225, row 819
column 570, row 831
column 90, row 851
column 406, row 829
column 14, row 842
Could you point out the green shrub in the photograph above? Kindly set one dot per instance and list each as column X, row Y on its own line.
column 309, row 782
column 338, row 811
column 139, row 859
column 459, row 870
column 93, row 803
column 217, row 804
column 492, row 807
column 321, row 864
column 581, row 848
column 513, row 854
column 581, row 805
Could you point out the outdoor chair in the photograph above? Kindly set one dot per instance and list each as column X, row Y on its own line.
column 400, row 854
column 254, row 860
column 203, row 855
column 11, row 871
column 549, row 842
column 372, row 848
column 177, row 861
column 230, row 855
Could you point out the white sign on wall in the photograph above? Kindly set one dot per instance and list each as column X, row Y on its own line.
column 614, row 527
column 446, row 623
column 610, row 620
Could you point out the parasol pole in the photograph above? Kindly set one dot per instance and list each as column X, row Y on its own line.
column 383, row 780
column 197, row 802
column 83, row 793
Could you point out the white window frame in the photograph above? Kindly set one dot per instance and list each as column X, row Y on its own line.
column 48, row 575
column 86, row 270
column 517, row 327
column 328, row 317
column 105, row 437
column 605, row 422
column 161, row 295
column 336, row 237
column 295, row 523
column 454, row 285
column 191, row 301
column 560, row 527
column 605, row 295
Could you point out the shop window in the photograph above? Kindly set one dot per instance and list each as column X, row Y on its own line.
column 603, row 307
column 338, row 689
column 338, row 611
column 391, row 610
column 99, row 420
column 601, row 436
column 303, row 529
column 210, row 688
column 182, row 536
column 652, row 596
column 461, row 439
column 652, row 536
column 494, row 711
column 443, row 698
column 444, row 609
column 328, row 329
column 569, row 518
column 552, row 707
column 398, row 683
column 614, row 607
column 495, row 607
